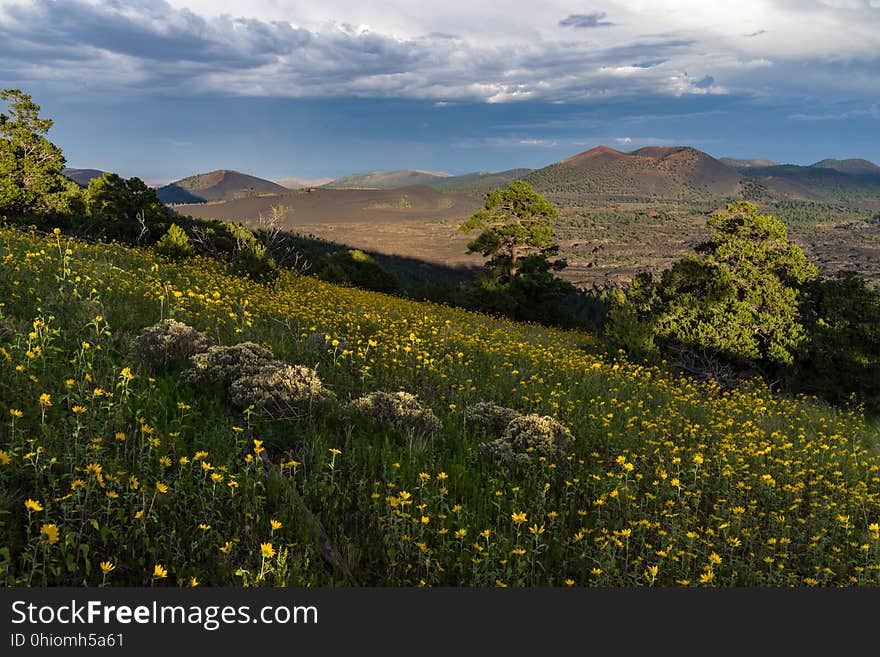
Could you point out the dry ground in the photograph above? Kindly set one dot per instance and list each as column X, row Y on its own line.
column 421, row 223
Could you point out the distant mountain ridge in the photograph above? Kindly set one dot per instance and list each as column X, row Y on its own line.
column 386, row 179
column 81, row 177
column 603, row 172
column 853, row 166
column 737, row 163
column 475, row 182
column 220, row 185
column 301, row 183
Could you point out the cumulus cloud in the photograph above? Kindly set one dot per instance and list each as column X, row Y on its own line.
column 142, row 46
column 585, row 20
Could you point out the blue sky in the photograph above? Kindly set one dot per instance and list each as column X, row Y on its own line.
column 279, row 88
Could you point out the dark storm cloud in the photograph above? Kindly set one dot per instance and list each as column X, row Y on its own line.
column 585, row 20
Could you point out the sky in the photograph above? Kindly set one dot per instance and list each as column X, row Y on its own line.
column 281, row 88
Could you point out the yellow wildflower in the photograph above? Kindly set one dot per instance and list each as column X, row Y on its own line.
column 50, row 531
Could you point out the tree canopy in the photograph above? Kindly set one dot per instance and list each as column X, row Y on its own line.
column 516, row 229
column 124, row 207
column 739, row 299
column 31, row 165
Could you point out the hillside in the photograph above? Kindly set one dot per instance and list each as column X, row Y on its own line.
column 386, row 179
column 665, row 172
column 478, row 182
column 853, row 167
column 81, row 177
column 323, row 204
column 639, row 477
column 737, row 163
column 300, row 183
column 814, row 182
column 219, row 185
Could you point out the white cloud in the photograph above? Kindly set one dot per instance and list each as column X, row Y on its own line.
column 445, row 52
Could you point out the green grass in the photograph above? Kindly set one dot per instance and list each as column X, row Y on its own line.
column 668, row 482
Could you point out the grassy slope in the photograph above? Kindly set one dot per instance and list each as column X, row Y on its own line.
column 708, row 487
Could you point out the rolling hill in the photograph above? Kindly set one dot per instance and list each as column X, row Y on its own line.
column 737, row 163
column 386, row 179
column 478, row 182
column 219, row 185
column 817, row 183
column 301, row 183
column 667, row 172
column 852, row 167
column 81, row 177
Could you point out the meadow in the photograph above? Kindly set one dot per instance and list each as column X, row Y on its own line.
column 116, row 471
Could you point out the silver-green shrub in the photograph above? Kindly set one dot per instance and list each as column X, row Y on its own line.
column 490, row 415
column 528, row 438
column 280, row 390
column 401, row 410
column 228, row 363
column 167, row 343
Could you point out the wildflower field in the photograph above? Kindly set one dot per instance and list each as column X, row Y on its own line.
column 361, row 439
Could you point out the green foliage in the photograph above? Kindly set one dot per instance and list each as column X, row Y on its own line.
column 30, row 165
column 250, row 257
column 123, row 209
column 842, row 353
column 519, row 240
column 741, row 298
column 358, row 269
column 515, row 224
column 629, row 323
column 175, row 244
column 653, row 461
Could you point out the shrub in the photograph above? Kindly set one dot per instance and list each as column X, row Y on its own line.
column 253, row 261
column 491, row 416
column 228, row 363
column 282, row 391
column 527, row 438
column 401, row 410
column 168, row 343
column 175, row 244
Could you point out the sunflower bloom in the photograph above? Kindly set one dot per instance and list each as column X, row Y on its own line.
column 50, row 531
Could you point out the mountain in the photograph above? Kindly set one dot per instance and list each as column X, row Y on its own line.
column 853, row 167
column 81, row 177
column 301, row 183
column 468, row 183
column 812, row 182
column 478, row 181
column 736, row 163
column 654, row 171
column 387, row 179
column 219, row 185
